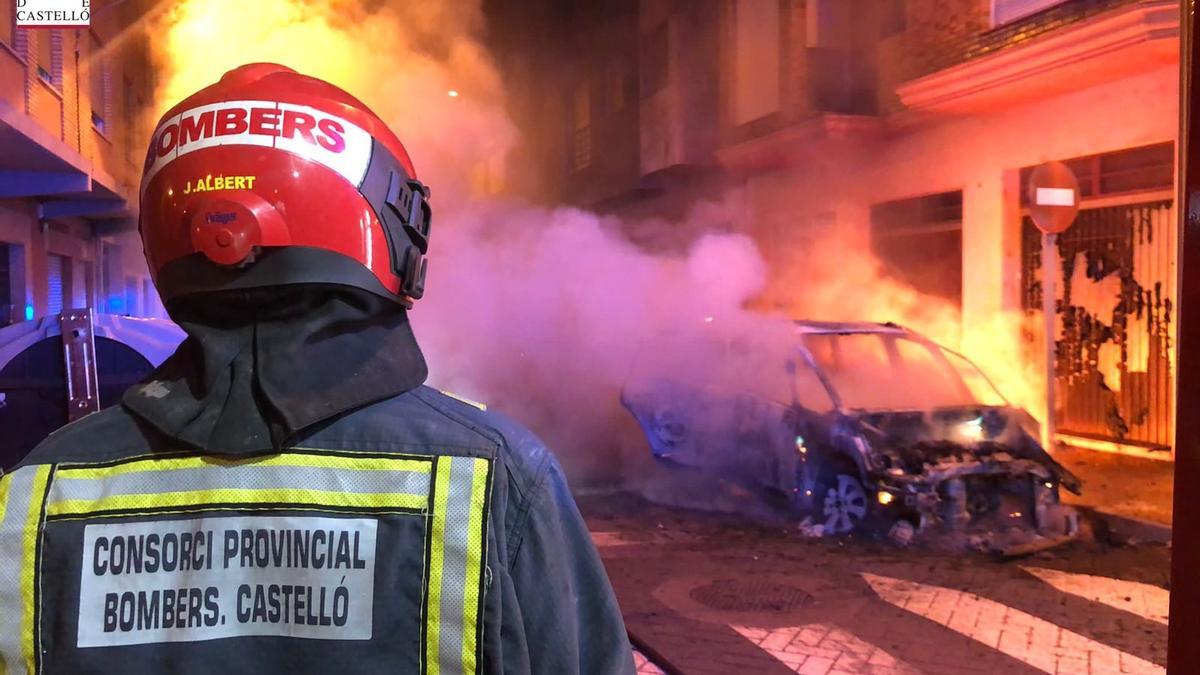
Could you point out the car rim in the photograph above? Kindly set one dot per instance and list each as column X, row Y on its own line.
column 845, row 505
column 667, row 430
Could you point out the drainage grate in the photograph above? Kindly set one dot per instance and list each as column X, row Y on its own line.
column 750, row 596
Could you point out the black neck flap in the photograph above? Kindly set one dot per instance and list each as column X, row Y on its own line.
column 262, row 366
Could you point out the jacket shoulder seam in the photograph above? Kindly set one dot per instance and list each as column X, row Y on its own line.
column 536, row 494
column 497, row 439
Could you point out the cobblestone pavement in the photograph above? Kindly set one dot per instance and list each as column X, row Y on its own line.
column 715, row 595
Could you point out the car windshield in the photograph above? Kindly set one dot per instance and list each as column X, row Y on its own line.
column 890, row 371
column 748, row 361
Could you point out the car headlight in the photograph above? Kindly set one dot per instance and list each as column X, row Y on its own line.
column 971, row 431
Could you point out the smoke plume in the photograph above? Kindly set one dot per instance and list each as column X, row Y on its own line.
column 538, row 312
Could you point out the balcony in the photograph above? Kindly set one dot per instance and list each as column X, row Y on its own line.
column 1067, row 47
column 1033, row 26
column 37, row 165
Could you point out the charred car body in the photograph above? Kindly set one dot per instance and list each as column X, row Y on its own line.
column 854, row 424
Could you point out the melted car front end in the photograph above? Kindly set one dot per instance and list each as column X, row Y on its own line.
column 971, row 471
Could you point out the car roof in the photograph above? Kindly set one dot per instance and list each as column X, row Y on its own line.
column 807, row 327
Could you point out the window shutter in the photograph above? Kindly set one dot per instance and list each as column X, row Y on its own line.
column 54, row 284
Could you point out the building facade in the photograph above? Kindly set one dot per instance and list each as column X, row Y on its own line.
column 71, row 150
column 908, row 128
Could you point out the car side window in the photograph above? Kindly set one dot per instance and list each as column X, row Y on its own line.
column 801, row 386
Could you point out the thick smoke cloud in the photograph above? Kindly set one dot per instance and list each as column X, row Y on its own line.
column 538, row 312
column 543, row 312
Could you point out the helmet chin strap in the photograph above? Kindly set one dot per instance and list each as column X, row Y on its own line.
column 402, row 205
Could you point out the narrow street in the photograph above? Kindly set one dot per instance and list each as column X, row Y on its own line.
column 706, row 593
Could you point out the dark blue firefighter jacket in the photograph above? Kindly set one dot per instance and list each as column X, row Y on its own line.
column 417, row 534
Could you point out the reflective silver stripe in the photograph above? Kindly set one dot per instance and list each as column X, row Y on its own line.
column 457, row 552
column 18, row 498
column 454, row 564
column 241, row 478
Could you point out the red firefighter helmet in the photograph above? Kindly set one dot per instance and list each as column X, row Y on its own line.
column 271, row 178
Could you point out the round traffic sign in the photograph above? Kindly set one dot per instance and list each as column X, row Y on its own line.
column 1053, row 197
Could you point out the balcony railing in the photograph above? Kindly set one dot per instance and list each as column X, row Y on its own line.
column 1027, row 28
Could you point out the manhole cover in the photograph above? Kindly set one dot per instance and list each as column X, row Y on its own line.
column 749, row 596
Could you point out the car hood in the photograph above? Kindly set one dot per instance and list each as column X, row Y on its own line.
column 918, row 442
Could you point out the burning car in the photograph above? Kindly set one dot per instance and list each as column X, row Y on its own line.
column 854, row 424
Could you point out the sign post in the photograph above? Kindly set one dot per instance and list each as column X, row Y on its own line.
column 1053, row 204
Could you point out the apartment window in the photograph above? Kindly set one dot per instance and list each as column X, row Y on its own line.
column 49, row 56
column 919, row 242
column 581, row 128
column 757, row 53
column 894, row 17
column 616, row 85
column 100, row 89
column 58, row 283
column 655, row 60
column 1005, row 11
column 1148, row 168
column 13, row 306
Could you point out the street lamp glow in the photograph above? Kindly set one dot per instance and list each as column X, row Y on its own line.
column 452, row 93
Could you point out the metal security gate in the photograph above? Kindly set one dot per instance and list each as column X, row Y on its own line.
column 1114, row 352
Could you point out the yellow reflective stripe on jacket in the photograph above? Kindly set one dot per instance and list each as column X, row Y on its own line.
column 289, row 478
column 195, row 498
column 24, row 492
column 339, row 462
column 457, row 549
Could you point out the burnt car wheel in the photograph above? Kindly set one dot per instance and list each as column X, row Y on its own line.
column 666, row 431
column 843, row 503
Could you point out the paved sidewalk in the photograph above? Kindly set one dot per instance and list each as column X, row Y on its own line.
column 1123, row 485
column 644, row 665
column 715, row 595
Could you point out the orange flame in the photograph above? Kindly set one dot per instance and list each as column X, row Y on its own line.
column 834, row 281
column 400, row 59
